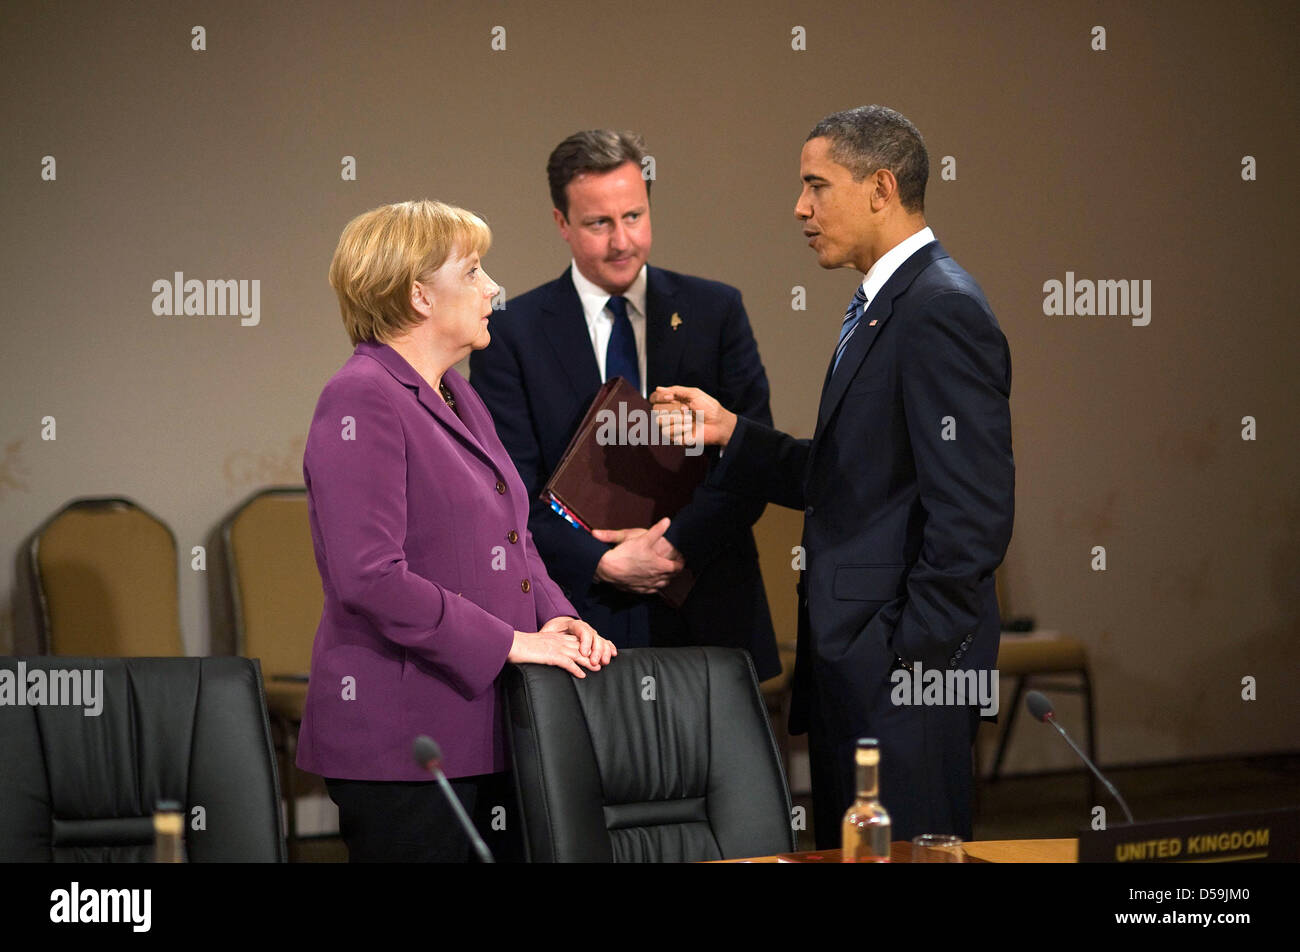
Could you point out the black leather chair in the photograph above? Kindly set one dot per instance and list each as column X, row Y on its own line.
column 664, row 755
column 77, row 788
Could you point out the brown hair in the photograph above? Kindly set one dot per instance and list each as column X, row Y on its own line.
column 595, row 150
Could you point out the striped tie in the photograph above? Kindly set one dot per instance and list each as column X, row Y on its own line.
column 852, row 315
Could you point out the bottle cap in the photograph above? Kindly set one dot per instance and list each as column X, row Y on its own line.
column 167, row 823
column 868, row 752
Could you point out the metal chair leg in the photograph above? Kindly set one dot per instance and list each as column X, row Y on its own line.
column 288, row 747
column 1005, row 739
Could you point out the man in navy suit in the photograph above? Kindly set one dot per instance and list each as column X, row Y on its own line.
column 907, row 485
column 608, row 315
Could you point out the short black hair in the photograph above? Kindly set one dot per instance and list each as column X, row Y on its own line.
column 876, row 137
column 593, row 150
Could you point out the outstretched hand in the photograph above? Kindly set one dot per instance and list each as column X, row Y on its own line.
column 688, row 415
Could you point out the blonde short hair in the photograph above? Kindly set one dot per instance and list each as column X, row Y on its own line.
column 383, row 252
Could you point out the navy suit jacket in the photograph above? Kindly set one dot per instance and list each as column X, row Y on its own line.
column 903, row 528
column 538, row 376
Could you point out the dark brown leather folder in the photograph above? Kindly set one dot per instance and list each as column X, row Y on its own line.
column 618, row 474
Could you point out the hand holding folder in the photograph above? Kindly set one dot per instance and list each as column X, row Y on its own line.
column 646, row 564
column 618, row 473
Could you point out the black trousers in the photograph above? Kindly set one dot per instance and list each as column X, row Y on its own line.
column 926, row 772
column 412, row 822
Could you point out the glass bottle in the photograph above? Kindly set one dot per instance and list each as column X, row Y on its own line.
column 168, row 833
column 865, row 833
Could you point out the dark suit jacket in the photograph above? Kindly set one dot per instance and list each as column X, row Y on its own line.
column 417, row 519
column 539, row 375
column 903, row 529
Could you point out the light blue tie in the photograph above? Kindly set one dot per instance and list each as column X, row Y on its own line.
column 852, row 315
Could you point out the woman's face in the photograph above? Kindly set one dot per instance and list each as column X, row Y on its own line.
column 460, row 297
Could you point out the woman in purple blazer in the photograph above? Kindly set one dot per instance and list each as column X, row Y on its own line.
column 419, row 523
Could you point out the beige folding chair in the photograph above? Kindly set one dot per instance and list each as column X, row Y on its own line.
column 103, row 577
column 776, row 533
column 276, row 602
column 1037, row 660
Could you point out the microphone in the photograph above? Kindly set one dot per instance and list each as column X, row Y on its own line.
column 1041, row 709
column 429, row 756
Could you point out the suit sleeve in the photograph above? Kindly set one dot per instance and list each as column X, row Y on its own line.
column 358, row 491
column 764, row 462
column 569, row 553
column 714, row 516
column 955, row 375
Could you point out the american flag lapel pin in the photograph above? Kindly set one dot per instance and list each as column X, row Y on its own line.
column 871, row 323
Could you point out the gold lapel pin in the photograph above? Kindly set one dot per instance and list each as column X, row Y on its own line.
column 675, row 321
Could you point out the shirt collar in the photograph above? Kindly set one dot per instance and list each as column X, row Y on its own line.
column 594, row 298
column 889, row 262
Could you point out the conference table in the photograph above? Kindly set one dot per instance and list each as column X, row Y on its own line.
column 977, row 851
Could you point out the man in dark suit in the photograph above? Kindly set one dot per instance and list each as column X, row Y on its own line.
column 610, row 314
column 907, row 484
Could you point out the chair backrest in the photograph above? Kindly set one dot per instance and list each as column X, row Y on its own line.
column 99, row 741
column 275, row 588
column 664, row 755
column 105, row 575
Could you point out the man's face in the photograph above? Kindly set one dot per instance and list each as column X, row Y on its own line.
column 836, row 211
column 608, row 225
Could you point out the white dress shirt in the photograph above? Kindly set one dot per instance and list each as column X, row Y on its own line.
column 891, row 260
column 600, row 320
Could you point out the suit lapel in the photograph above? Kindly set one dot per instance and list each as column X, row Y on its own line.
column 663, row 344
column 569, row 338
column 406, row 375
column 873, row 321
column 467, row 401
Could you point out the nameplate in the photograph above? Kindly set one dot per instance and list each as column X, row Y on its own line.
column 1268, row 836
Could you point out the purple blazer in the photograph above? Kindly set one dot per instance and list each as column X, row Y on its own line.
column 420, row 525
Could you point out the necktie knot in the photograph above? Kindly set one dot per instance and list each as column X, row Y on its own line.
column 857, row 304
column 620, row 353
column 852, row 314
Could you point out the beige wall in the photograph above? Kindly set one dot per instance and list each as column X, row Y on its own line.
column 1116, row 164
